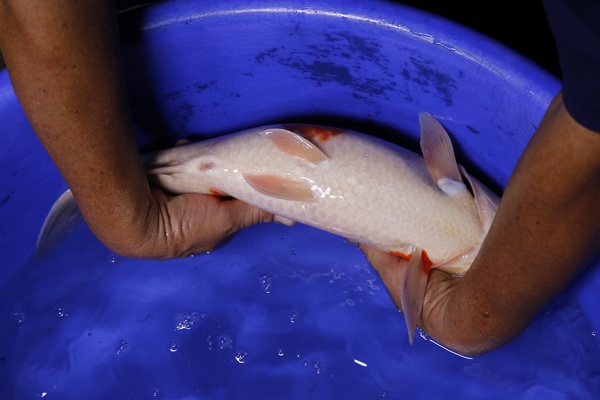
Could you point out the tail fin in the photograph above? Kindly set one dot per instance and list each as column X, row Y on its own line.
column 62, row 219
column 414, row 283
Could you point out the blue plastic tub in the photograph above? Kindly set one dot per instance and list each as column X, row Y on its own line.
column 277, row 312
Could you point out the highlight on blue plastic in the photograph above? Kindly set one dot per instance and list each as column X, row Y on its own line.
column 205, row 68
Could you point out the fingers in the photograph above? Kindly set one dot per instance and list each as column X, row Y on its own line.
column 182, row 225
column 208, row 221
column 283, row 220
column 244, row 215
column 379, row 259
column 390, row 269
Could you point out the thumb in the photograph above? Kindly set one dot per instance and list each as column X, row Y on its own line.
column 377, row 258
column 244, row 215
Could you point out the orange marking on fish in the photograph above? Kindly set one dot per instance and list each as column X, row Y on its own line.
column 215, row 192
column 315, row 133
column 427, row 264
column 405, row 256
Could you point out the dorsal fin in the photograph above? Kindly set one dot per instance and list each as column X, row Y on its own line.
column 437, row 150
column 295, row 145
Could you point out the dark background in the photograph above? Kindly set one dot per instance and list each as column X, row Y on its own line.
column 520, row 25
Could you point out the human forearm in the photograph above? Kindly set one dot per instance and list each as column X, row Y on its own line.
column 63, row 60
column 546, row 230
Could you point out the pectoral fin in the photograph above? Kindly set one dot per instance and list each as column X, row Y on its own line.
column 295, row 145
column 281, row 188
column 412, row 294
column 439, row 154
column 62, row 219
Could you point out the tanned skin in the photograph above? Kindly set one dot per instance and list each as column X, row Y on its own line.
column 63, row 60
column 546, row 231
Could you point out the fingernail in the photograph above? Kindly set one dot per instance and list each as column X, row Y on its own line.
column 283, row 221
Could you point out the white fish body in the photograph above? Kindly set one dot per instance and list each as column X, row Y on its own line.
column 357, row 186
column 347, row 183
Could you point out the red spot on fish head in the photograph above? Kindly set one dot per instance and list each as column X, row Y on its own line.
column 317, row 134
column 206, row 166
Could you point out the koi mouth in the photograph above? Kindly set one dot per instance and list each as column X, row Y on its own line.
column 164, row 169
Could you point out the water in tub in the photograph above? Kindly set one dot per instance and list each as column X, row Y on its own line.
column 276, row 313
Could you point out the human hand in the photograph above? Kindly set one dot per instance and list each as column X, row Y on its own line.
column 546, row 231
column 178, row 226
column 438, row 294
column 464, row 330
column 391, row 270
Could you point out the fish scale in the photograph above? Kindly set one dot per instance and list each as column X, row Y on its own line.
column 366, row 190
column 344, row 182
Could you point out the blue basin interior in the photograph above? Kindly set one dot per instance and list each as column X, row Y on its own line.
column 277, row 312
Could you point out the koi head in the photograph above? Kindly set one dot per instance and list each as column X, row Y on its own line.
column 182, row 169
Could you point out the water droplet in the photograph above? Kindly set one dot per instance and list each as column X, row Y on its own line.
column 122, row 347
column 19, row 317
column 293, row 254
column 593, row 333
column 350, row 302
column 155, row 393
column 316, row 363
column 305, row 363
column 225, row 341
column 293, row 317
column 241, row 357
column 113, row 258
column 186, row 320
column 265, row 283
column 280, row 352
column 60, row 312
column 173, row 347
column 209, row 341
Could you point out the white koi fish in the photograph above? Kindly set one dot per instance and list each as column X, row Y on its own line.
column 347, row 183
